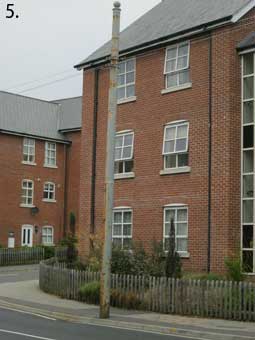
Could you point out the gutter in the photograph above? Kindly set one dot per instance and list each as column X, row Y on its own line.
column 20, row 134
column 158, row 42
column 65, row 192
column 78, row 129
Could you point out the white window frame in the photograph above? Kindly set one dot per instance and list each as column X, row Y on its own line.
column 48, row 191
column 121, row 237
column 51, row 236
column 175, row 208
column 123, row 134
column 175, row 125
column 177, row 70
column 29, row 143
column 26, row 196
column 49, row 149
column 243, row 173
column 25, row 228
column 125, row 85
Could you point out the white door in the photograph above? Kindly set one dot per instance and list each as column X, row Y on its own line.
column 27, row 236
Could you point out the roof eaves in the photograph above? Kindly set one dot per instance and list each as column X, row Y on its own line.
column 23, row 134
column 243, row 11
column 156, row 43
column 75, row 129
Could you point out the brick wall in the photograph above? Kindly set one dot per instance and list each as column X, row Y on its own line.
column 148, row 192
column 12, row 172
column 73, row 177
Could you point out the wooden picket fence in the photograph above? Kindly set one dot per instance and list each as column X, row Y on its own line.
column 213, row 299
column 19, row 256
column 61, row 253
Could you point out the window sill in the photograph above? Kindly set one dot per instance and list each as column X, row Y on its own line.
column 124, row 176
column 183, row 170
column 27, row 163
column 177, row 88
column 183, row 255
column 126, row 100
column 50, row 166
column 27, row 206
column 49, row 201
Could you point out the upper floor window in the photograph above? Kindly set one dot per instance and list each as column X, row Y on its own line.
column 27, row 197
column 179, row 216
column 50, row 154
column 126, row 79
column 122, row 228
column 49, row 191
column 248, row 167
column 124, row 151
column 177, row 65
column 175, row 148
column 47, row 236
column 28, row 150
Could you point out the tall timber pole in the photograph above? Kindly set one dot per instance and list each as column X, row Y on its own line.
column 105, row 291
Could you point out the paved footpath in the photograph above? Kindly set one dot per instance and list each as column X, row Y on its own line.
column 26, row 295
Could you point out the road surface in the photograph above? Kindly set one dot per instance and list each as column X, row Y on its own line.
column 19, row 326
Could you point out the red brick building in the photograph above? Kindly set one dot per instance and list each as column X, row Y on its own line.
column 39, row 168
column 185, row 132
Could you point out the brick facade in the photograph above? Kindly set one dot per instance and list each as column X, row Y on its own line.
column 149, row 192
column 13, row 216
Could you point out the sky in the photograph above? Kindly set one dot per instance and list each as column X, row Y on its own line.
column 49, row 37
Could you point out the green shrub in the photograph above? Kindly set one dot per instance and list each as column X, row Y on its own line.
column 234, row 269
column 90, row 293
column 121, row 261
column 127, row 300
column 70, row 242
column 156, row 259
column 139, row 260
column 204, row 277
column 49, row 252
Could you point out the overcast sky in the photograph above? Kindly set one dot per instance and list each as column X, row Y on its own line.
column 50, row 36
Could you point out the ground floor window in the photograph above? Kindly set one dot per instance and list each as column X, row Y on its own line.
column 179, row 216
column 122, row 228
column 248, row 253
column 47, row 236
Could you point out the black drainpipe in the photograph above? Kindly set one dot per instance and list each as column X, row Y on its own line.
column 94, row 154
column 210, row 158
column 65, row 220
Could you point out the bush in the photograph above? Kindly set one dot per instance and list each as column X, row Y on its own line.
column 127, row 300
column 121, row 261
column 156, row 259
column 204, row 277
column 49, row 252
column 234, row 269
column 70, row 242
column 90, row 293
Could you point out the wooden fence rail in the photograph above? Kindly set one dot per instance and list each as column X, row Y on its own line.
column 21, row 256
column 213, row 299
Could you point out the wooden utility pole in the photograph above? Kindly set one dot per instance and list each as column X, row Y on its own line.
column 105, row 291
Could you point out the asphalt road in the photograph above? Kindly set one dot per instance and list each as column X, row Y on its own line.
column 18, row 326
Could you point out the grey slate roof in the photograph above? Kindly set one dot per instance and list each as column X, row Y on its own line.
column 169, row 18
column 38, row 118
column 247, row 42
column 70, row 117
